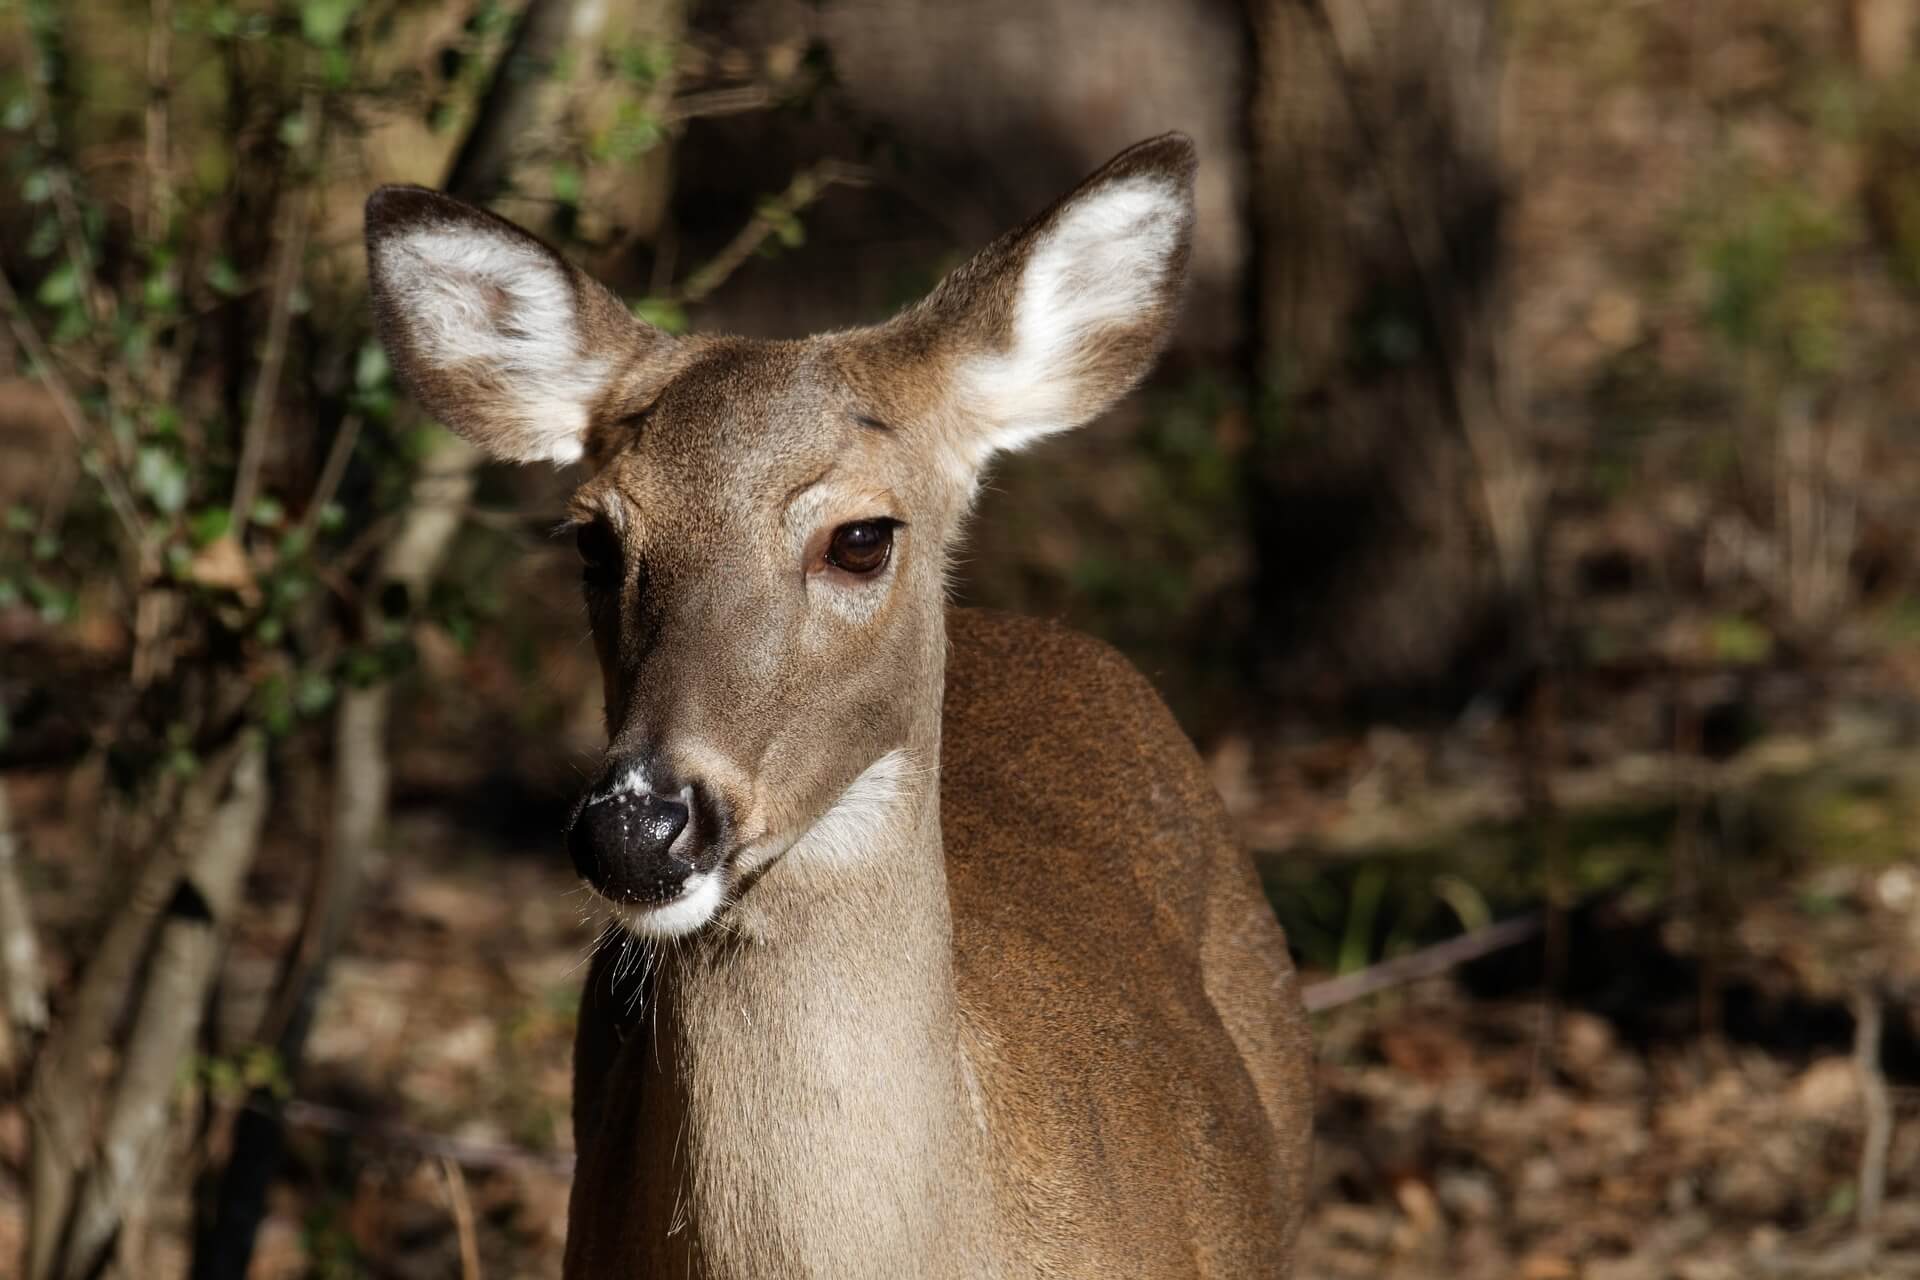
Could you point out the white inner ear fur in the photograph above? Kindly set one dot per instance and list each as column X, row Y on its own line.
column 1104, row 259
column 471, row 298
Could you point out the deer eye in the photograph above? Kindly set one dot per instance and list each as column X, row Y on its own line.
column 599, row 554
column 862, row 547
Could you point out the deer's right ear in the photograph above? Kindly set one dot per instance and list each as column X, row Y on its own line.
column 491, row 329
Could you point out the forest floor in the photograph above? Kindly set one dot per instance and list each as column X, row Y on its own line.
column 1690, row 1104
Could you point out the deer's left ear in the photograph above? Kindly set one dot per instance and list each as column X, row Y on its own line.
column 1055, row 321
column 493, row 330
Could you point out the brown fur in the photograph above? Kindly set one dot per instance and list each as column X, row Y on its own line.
column 1036, row 1019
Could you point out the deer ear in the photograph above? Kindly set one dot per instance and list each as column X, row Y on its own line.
column 1055, row 321
column 491, row 329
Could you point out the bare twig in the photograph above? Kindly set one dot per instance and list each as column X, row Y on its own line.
column 1867, row 1023
column 716, row 102
column 462, row 1219
column 807, row 186
column 21, row 979
column 266, row 387
column 331, row 473
column 1428, row 962
column 64, row 403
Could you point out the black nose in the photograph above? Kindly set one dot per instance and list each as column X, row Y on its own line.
column 622, row 844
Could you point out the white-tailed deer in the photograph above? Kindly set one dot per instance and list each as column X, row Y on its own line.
column 954, row 966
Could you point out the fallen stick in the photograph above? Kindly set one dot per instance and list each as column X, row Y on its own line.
column 1428, row 962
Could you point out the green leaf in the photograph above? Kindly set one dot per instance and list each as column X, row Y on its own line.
column 161, row 293
column 225, row 278
column 159, row 474
column 313, row 693
column 293, row 130
column 70, row 327
column 37, row 188
column 339, row 70
column 61, row 286
column 273, row 703
column 19, row 518
column 370, row 368
column 17, row 114
column 1740, row 640
column 662, row 313
column 566, row 184
column 208, row 525
column 324, row 22
column 54, row 602
column 269, row 512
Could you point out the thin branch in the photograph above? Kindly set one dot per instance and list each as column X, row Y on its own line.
column 22, row 980
column 1867, row 1023
column 118, row 495
column 807, row 186
column 707, row 103
column 266, row 387
column 331, row 473
column 462, row 1207
column 1428, row 962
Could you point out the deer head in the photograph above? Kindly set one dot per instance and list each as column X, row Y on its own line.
column 764, row 527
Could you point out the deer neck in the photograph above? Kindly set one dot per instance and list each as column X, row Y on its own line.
column 831, row 1126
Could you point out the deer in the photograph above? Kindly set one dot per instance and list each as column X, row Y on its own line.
column 953, row 964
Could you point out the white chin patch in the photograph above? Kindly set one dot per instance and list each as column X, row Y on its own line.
column 699, row 899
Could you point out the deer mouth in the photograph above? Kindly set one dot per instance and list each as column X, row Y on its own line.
column 701, row 896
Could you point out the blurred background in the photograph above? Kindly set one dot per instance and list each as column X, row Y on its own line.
column 1524, row 524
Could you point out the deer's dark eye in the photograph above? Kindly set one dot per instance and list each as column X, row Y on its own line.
column 862, row 547
column 599, row 554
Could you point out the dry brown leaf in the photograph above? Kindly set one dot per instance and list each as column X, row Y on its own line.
column 222, row 565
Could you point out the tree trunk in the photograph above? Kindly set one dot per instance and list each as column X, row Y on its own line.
column 1377, row 313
